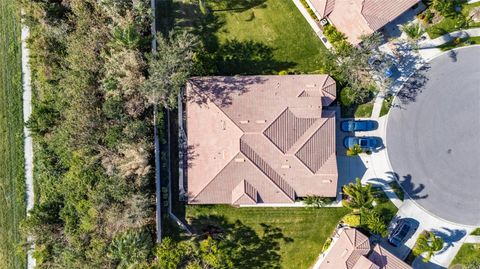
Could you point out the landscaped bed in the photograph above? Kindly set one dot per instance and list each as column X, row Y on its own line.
column 450, row 24
column 460, row 42
column 305, row 229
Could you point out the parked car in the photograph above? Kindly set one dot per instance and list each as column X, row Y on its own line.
column 357, row 125
column 366, row 142
column 401, row 230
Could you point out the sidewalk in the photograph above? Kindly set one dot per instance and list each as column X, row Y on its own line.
column 313, row 24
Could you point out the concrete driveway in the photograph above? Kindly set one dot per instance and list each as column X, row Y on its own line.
column 433, row 136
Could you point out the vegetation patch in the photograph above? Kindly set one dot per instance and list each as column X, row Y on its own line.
column 386, row 105
column 468, row 256
column 297, row 227
column 397, row 189
column 258, row 37
column 364, row 110
column 476, row 232
column 12, row 175
column 460, row 42
column 450, row 19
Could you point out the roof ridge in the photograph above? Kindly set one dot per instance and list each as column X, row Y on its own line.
column 282, row 183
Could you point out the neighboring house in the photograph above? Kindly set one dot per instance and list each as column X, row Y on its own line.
column 259, row 139
column 355, row 18
column 353, row 250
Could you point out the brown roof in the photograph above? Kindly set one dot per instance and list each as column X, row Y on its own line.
column 353, row 250
column 260, row 139
column 355, row 18
column 386, row 260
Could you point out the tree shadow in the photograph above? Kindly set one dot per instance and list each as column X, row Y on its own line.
column 246, row 247
column 450, row 236
column 411, row 189
column 236, row 5
column 413, row 86
column 219, row 90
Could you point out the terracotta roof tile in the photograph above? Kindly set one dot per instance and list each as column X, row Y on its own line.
column 249, row 129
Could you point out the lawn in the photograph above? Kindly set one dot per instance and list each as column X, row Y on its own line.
column 476, row 232
column 387, row 102
column 451, row 24
column 384, row 206
column 364, row 110
column 12, row 204
column 306, row 229
column 467, row 255
column 397, row 189
column 265, row 26
column 460, row 43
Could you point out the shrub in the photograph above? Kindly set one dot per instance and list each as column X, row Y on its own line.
column 309, row 10
column 374, row 222
column 316, row 201
column 352, row 220
column 327, row 244
column 457, row 41
column 347, row 97
column 355, row 150
column 283, row 73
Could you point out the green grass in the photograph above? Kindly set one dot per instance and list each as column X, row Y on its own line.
column 364, row 110
column 450, row 24
column 308, row 228
column 397, row 190
column 468, row 253
column 279, row 25
column 463, row 42
column 476, row 232
column 387, row 102
column 12, row 204
column 384, row 206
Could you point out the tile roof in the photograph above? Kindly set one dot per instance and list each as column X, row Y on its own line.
column 386, row 260
column 353, row 250
column 260, row 139
column 355, row 18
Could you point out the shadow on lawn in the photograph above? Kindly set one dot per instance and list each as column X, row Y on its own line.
column 236, row 5
column 230, row 57
column 246, row 247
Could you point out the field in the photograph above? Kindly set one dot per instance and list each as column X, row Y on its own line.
column 304, row 230
column 12, row 204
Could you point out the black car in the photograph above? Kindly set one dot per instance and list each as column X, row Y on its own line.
column 400, row 232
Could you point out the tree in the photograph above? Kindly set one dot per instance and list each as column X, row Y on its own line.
column 413, row 30
column 444, row 7
column 374, row 221
column 358, row 195
column 169, row 68
column 428, row 242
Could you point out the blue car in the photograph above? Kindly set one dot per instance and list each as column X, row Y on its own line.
column 400, row 232
column 357, row 125
column 366, row 143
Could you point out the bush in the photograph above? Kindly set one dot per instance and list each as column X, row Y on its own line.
column 327, row 244
column 352, row 220
column 374, row 222
column 355, row 150
column 309, row 10
column 347, row 97
column 283, row 73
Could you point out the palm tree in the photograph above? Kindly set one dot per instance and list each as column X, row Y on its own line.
column 413, row 30
column 358, row 195
column 444, row 7
column 428, row 242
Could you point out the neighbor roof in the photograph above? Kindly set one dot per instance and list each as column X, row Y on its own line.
column 353, row 250
column 260, row 139
column 355, row 18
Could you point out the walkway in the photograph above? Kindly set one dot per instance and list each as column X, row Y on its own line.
column 313, row 24
column 28, row 147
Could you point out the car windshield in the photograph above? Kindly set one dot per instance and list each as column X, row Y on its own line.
column 351, row 125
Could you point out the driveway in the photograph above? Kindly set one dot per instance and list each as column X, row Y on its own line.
column 433, row 133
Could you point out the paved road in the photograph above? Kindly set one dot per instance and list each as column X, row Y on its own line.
column 433, row 135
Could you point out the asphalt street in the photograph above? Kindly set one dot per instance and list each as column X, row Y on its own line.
column 433, row 136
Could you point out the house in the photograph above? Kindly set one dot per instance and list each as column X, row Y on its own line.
column 353, row 250
column 355, row 18
column 259, row 139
